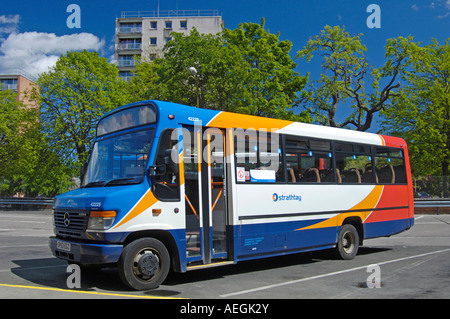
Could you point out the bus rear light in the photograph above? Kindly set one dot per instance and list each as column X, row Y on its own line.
column 101, row 220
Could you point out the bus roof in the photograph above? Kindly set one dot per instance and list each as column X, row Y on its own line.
column 187, row 115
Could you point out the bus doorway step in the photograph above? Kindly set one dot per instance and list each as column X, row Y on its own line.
column 214, row 264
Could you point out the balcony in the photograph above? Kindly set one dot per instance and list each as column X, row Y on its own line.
column 129, row 46
column 126, row 63
column 170, row 13
column 128, row 30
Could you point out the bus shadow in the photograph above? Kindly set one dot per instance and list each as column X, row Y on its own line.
column 53, row 273
column 258, row 265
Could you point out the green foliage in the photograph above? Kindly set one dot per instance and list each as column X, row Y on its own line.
column 269, row 80
column 347, row 79
column 247, row 70
column 79, row 89
column 16, row 122
column 168, row 78
column 420, row 113
column 27, row 165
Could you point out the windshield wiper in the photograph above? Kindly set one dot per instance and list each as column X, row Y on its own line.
column 117, row 181
column 120, row 181
column 94, row 184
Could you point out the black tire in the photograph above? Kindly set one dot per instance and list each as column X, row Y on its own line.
column 348, row 242
column 144, row 264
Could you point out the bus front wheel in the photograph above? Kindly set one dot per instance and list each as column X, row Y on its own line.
column 144, row 264
column 348, row 242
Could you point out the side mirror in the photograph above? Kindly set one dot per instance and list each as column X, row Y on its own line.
column 156, row 171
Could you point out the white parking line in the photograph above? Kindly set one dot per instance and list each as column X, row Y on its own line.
column 31, row 268
column 23, row 246
column 242, row 292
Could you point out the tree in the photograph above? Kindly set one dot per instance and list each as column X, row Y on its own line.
column 16, row 121
column 345, row 78
column 168, row 78
column 270, row 81
column 420, row 113
column 27, row 165
column 73, row 95
column 247, row 70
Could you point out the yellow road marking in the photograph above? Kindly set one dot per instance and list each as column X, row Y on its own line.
column 87, row 292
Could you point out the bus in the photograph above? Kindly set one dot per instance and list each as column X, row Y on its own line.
column 169, row 186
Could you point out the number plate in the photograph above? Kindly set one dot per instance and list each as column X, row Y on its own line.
column 63, row 245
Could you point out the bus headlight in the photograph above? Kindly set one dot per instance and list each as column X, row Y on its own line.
column 101, row 220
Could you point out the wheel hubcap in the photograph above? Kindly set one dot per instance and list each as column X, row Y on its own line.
column 348, row 242
column 146, row 264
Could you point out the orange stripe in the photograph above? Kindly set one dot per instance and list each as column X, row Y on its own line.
column 181, row 168
column 145, row 202
column 226, row 120
column 368, row 203
column 382, row 140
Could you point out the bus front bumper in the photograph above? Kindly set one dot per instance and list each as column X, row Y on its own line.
column 85, row 253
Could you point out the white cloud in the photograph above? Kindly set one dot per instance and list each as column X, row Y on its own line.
column 444, row 7
column 35, row 52
column 10, row 18
column 9, row 24
column 415, row 7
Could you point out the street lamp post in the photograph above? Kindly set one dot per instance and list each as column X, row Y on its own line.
column 195, row 73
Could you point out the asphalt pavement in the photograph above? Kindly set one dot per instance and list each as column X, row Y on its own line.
column 412, row 264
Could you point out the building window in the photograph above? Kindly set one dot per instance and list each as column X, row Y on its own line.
column 8, row 84
column 125, row 75
column 153, row 25
column 126, row 61
column 167, row 39
column 168, row 24
column 152, row 56
column 183, row 24
column 135, row 27
column 153, row 41
column 130, row 44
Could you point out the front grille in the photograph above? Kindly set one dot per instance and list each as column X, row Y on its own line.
column 71, row 222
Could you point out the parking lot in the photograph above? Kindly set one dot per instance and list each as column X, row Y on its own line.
column 413, row 264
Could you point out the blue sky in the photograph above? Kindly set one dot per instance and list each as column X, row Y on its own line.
column 33, row 34
column 39, row 27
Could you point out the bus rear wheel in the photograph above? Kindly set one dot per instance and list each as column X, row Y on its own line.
column 144, row 264
column 348, row 242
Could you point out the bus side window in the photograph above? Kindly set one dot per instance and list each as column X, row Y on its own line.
column 257, row 152
column 354, row 163
column 390, row 166
column 165, row 183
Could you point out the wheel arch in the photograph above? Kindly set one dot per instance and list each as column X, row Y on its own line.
column 163, row 236
column 356, row 222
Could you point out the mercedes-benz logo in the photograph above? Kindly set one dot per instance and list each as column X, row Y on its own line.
column 66, row 219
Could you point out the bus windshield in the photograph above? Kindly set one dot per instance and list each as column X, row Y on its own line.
column 119, row 160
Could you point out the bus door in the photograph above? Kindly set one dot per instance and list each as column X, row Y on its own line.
column 205, row 191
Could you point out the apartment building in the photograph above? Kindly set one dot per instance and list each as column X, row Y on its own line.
column 19, row 81
column 144, row 33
